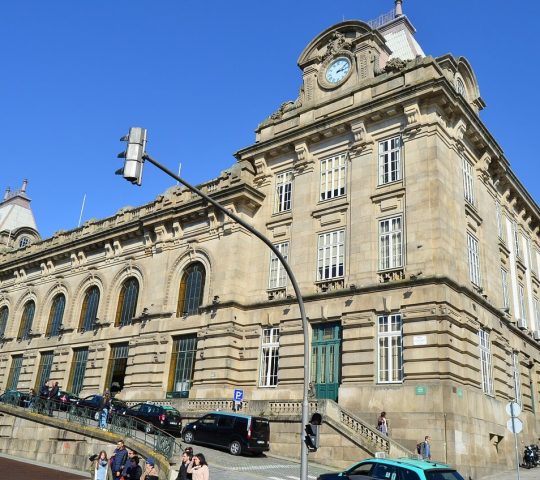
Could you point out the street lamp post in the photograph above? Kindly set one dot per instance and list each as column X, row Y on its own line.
column 135, row 155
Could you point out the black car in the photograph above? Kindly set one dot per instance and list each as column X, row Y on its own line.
column 89, row 406
column 237, row 433
column 64, row 400
column 163, row 417
column 16, row 397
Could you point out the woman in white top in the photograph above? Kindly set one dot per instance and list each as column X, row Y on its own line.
column 199, row 468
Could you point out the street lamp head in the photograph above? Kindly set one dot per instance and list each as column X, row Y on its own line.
column 133, row 155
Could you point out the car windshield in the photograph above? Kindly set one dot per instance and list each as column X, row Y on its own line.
column 442, row 475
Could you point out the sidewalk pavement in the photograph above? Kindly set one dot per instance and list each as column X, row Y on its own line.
column 524, row 474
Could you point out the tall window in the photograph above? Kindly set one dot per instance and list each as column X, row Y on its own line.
column 283, row 198
column 333, row 177
column 485, row 362
column 468, row 180
column 331, row 255
column 515, row 234
column 182, row 365
column 534, row 262
column 14, row 372
column 127, row 302
column 116, row 369
column 504, row 287
column 516, row 371
column 460, row 86
column 278, row 275
column 191, row 291
column 268, row 376
column 536, row 314
column 522, row 303
column 498, row 212
column 4, row 314
column 44, row 370
column 27, row 318
column 390, row 343
column 55, row 315
column 474, row 260
column 390, row 243
column 78, row 369
column 389, row 160
column 89, row 309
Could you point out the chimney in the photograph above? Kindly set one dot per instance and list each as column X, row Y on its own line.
column 24, row 184
column 6, row 195
column 399, row 9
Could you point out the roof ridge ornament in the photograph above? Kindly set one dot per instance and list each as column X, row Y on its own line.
column 337, row 43
column 398, row 12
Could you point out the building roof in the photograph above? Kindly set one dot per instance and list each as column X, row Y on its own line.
column 15, row 211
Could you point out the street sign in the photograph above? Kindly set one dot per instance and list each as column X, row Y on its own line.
column 515, row 425
column 513, row 406
column 238, row 395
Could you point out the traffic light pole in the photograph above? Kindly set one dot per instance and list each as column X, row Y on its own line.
column 221, row 208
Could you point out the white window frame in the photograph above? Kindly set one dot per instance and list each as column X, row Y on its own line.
column 498, row 212
column 516, row 373
column 473, row 255
column 504, row 288
column 269, row 365
column 536, row 313
column 333, row 177
column 389, row 160
column 522, row 302
column 331, row 255
column 390, row 348
column 283, row 192
column 277, row 275
column 485, row 362
column 468, row 180
column 515, row 234
column 391, row 243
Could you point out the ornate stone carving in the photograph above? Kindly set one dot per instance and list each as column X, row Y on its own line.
column 338, row 42
column 483, row 166
column 394, row 65
column 303, row 156
column 360, row 136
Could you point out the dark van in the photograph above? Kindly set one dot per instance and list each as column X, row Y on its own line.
column 235, row 432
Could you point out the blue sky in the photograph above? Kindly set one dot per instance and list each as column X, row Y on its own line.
column 200, row 76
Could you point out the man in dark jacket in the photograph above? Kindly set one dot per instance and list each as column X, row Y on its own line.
column 53, row 393
column 119, row 459
column 186, row 462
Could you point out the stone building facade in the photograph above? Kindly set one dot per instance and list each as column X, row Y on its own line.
column 416, row 248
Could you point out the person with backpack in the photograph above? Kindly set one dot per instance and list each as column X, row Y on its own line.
column 424, row 448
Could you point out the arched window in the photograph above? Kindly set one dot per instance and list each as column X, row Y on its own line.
column 89, row 309
column 460, row 87
column 127, row 302
column 191, row 290
column 56, row 315
column 4, row 313
column 25, row 329
column 23, row 242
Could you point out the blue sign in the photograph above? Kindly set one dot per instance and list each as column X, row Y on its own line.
column 238, row 395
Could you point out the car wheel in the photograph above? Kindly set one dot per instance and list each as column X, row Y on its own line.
column 148, row 428
column 189, row 437
column 235, row 448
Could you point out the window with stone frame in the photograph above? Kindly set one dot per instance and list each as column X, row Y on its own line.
column 78, row 370
column 268, row 374
column 389, row 162
column 474, row 260
column 4, row 315
column 191, row 290
column 485, row 362
column 522, row 303
column 27, row 319
column 331, row 255
column 536, row 314
column 391, row 243
column 516, row 374
column 44, row 369
column 500, row 220
column 390, row 348
column 468, row 180
column 127, row 302
column 333, row 176
column 14, row 372
column 504, row 288
column 89, row 309
column 515, row 234
column 283, row 192
column 56, row 315
column 277, row 277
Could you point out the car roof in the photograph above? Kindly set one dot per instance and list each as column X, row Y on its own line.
column 232, row 414
column 413, row 463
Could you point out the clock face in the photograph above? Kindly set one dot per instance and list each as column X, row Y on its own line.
column 338, row 70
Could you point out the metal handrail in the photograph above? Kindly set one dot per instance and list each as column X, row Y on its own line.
column 125, row 425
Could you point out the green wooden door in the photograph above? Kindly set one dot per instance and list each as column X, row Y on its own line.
column 326, row 360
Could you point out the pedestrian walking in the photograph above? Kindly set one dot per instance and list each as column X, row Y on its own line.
column 382, row 423
column 100, row 469
column 119, row 459
column 425, row 448
column 199, row 469
column 104, row 407
column 53, row 393
column 31, row 398
column 187, row 461
column 123, row 475
column 150, row 471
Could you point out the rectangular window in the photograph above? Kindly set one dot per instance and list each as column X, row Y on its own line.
column 522, row 303
column 498, row 212
column 529, row 251
column 534, row 264
column 517, row 377
column 485, row 362
column 278, row 275
column 283, row 194
column 389, row 160
column 390, row 346
column 468, row 181
column 333, row 177
column 78, row 369
column 390, row 243
column 268, row 376
column 182, row 365
column 44, row 370
column 504, row 287
column 474, row 260
column 515, row 234
column 536, row 314
column 14, row 372
column 331, row 255
column 116, row 369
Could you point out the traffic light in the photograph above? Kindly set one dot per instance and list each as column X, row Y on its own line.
column 313, row 432
column 135, row 150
